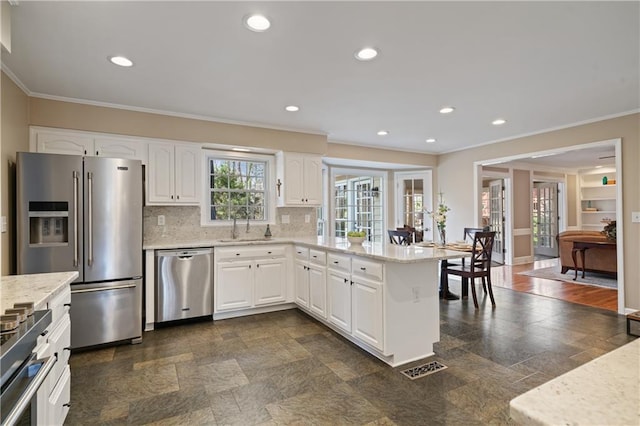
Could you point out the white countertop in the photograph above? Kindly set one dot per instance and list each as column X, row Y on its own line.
column 604, row 391
column 380, row 251
column 36, row 288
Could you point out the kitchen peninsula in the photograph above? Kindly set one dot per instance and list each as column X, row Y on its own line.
column 381, row 297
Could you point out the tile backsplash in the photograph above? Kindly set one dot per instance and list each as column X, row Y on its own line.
column 182, row 223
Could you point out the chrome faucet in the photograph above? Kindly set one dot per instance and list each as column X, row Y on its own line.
column 247, row 231
column 234, row 231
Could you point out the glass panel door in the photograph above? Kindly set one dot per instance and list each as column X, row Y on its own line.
column 496, row 219
column 358, row 205
column 545, row 218
column 412, row 200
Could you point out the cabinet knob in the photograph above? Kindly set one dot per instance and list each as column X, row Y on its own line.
column 302, row 199
column 67, row 304
column 67, row 349
column 68, row 404
column 336, row 262
column 97, row 153
column 177, row 197
column 351, row 282
column 172, row 197
column 363, row 269
column 44, row 333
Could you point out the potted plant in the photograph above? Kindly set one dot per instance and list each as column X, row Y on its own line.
column 609, row 231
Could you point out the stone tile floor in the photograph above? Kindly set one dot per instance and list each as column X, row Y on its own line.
column 286, row 368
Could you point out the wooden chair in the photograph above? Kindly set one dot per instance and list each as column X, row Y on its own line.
column 401, row 237
column 479, row 265
column 470, row 232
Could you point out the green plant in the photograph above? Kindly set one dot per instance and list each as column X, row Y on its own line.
column 356, row 234
column 610, row 230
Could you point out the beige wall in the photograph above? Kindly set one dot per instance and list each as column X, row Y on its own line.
column 69, row 115
column 456, row 173
column 361, row 153
column 15, row 137
column 572, row 200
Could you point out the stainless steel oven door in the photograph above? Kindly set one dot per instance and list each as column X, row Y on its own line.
column 19, row 392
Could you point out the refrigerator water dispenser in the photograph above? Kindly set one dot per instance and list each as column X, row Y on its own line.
column 48, row 223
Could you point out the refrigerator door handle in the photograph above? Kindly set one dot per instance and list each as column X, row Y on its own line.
column 90, row 218
column 75, row 218
column 91, row 290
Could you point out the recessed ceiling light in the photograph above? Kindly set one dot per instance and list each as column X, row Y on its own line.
column 382, row 133
column 121, row 60
column 366, row 54
column 241, row 149
column 499, row 122
column 292, row 108
column 430, row 140
column 446, row 110
column 257, row 23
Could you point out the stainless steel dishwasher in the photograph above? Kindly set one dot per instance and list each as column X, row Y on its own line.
column 184, row 284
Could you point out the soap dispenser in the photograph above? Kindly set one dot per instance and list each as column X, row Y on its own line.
column 267, row 233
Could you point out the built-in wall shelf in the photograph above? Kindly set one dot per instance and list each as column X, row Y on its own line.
column 596, row 195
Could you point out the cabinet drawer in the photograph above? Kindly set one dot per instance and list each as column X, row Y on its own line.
column 60, row 398
column 367, row 269
column 339, row 262
column 302, row 253
column 57, row 305
column 59, row 339
column 318, row 257
column 240, row 252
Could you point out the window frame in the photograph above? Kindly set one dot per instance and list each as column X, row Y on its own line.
column 269, row 193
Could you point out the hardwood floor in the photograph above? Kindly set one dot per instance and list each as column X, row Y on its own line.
column 508, row 277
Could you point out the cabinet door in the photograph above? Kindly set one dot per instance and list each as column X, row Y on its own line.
column 187, row 174
column 368, row 312
column 318, row 290
column 270, row 281
column 302, row 284
column 61, row 143
column 161, row 173
column 313, row 180
column 234, row 283
column 121, row 148
column 339, row 307
column 294, row 180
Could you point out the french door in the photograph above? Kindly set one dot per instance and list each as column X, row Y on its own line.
column 545, row 218
column 413, row 198
column 496, row 219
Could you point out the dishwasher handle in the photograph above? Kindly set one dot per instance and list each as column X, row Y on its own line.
column 183, row 254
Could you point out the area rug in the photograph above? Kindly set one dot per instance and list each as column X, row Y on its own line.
column 590, row 278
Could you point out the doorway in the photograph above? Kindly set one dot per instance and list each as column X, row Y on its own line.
column 413, row 198
column 496, row 218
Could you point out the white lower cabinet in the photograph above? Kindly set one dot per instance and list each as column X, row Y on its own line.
column 356, row 299
column 53, row 397
column 250, row 277
column 311, row 280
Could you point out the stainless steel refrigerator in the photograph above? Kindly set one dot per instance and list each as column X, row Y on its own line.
column 85, row 214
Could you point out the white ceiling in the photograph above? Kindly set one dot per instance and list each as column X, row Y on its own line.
column 539, row 65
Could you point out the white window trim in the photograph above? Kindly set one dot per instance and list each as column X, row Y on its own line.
column 270, row 183
column 355, row 171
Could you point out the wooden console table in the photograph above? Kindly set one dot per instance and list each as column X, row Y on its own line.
column 582, row 246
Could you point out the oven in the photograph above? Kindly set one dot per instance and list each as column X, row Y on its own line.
column 22, row 372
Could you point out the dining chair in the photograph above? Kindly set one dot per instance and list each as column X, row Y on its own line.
column 469, row 232
column 479, row 265
column 401, row 237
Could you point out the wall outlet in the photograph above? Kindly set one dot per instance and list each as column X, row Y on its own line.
column 3, row 224
column 161, row 220
column 286, row 218
column 307, row 218
column 635, row 217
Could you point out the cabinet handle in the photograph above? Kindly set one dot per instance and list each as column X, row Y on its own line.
column 237, row 254
column 97, row 153
column 68, row 404
column 345, row 280
column 249, row 266
column 172, row 197
column 351, row 282
column 336, row 262
column 67, row 304
column 177, row 197
column 257, row 265
column 314, row 256
column 363, row 269
column 85, row 152
column 67, row 349
column 268, row 252
column 302, row 200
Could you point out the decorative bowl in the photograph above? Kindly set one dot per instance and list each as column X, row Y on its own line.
column 356, row 240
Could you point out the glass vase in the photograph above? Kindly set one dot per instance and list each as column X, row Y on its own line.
column 443, row 237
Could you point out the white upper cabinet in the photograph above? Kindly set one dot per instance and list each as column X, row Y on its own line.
column 70, row 142
column 174, row 174
column 120, row 148
column 60, row 142
column 300, row 176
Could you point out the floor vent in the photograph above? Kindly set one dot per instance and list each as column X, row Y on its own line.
column 423, row 370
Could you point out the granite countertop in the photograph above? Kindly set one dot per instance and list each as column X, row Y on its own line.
column 36, row 288
column 604, row 391
column 380, row 251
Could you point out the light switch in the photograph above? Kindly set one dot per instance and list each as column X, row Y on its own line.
column 161, row 220
column 307, row 218
column 3, row 224
column 285, row 218
column 635, row 217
